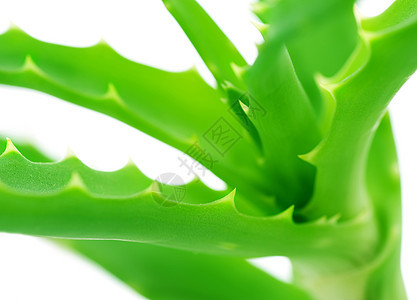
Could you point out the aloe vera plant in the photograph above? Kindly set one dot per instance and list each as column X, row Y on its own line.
column 302, row 139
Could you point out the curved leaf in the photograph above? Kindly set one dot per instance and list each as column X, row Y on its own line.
column 216, row 50
column 320, row 36
column 178, row 108
column 184, row 275
column 379, row 277
column 59, row 200
column 287, row 128
column 362, row 92
column 162, row 273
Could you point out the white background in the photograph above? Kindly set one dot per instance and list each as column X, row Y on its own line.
column 143, row 31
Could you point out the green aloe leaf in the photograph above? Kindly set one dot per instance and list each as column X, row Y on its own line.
column 186, row 113
column 362, row 91
column 369, row 280
column 68, row 200
column 383, row 182
column 320, row 36
column 216, row 50
column 27, row 150
column 314, row 177
column 275, row 90
column 183, row 275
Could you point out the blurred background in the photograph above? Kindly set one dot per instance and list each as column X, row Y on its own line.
column 143, row 31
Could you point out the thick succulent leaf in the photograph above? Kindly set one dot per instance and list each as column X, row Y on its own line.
column 320, row 36
column 216, row 50
column 184, row 275
column 163, row 273
column 401, row 13
column 177, row 108
column 100, row 79
column 287, row 128
column 361, row 91
column 68, row 200
column 383, row 183
column 369, row 281
column 27, row 150
column 218, row 53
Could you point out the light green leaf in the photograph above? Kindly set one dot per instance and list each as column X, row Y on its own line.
column 216, row 50
column 368, row 281
column 362, row 92
column 27, row 150
column 60, row 200
column 320, row 36
column 184, row 275
column 163, row 273
column 177, row 108
column 285, row 120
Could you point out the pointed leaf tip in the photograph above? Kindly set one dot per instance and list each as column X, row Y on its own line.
column 262, row 28
column 238, row 70
column 228, row 199
column 13, row 27
column 259, row 8
column 130, row 162
column 10, row 147
column 30, row 65
column 335, row 219
column 76, row 182
column 311, row 156
column 102, row 42
column 113, row 94
column 70, row 154
column 286, row 214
